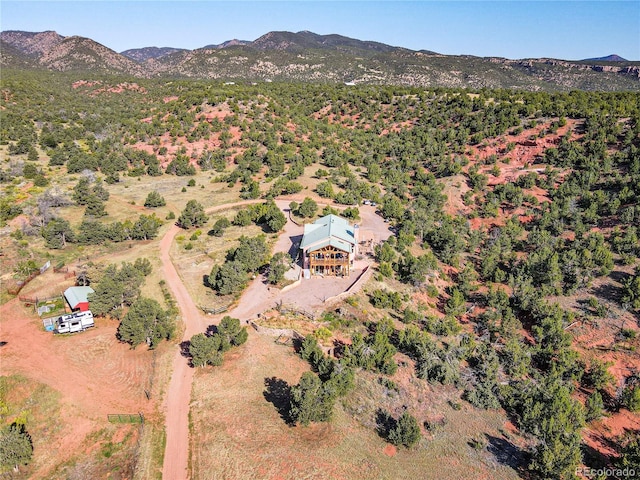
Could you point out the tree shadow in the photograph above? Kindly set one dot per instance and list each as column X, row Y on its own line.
column 592, row 458
column 211, row 330
column 506, row 453
column 295, row 246
column 184, row 350
column 384, row 423
column 278, row 393
column 608, row 291
column 618, row 276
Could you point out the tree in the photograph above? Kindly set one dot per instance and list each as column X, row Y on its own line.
column 231, row 333
column 243, row 218
column 118, row 288
column 547, row 411
column 107, row 294
column 630, row 397
column 57, row 233
column 630, row 456
column 406, row 431
column 252, row 253
column 250, row 190
column 598, row 375
column 218, row 228
column 16, row 447
column 95, row 207
column 143, row 265
column 325, row 189
column 154, row 199
column 146, row 227
column 82, row 192
column 29, row 170
column 145, row 321
column 594, row 406
column 99, row 191
column 631, row 290
column 352, row 213
column 310, row 401
column 193, row 215
column 278, row 266
column 455, row 304
column 274, row 218
column 228, row 278
column 26, row 268
column 307, row 208
column 32, row 156
column 205, row 350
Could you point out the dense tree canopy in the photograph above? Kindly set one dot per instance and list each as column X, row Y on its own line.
column 146, row 322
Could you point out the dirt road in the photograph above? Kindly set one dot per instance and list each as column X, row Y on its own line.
column 255, row 299
column 178, row 396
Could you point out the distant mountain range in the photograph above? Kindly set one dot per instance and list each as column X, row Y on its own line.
column 309, row 57
column 608, row 58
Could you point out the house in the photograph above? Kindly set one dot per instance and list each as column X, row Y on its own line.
column 77, row 298
column 329, row 246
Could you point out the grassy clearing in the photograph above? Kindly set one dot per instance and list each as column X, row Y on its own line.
column 110, row 453
column 38, row 406
column 150, row 452
column 195, row 264
column 237, row 433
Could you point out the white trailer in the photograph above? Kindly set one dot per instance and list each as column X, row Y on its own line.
column 74, row 322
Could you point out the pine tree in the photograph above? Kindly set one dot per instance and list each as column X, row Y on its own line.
column 16, row 447
column 310, row 400
column 154, row 199
column 146, row 321
column 406, row 431
column 193, row 215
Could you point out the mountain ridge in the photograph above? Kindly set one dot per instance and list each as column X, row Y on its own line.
column 310, row 57
column 146, row 53
column 609, row 58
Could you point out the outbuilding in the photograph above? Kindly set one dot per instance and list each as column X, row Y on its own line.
column 77, row 298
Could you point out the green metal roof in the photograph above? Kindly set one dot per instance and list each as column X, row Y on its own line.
column 334, row 242
column 77, row 295
column 328, row 230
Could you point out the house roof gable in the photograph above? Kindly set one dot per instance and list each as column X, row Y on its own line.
column 328, row 227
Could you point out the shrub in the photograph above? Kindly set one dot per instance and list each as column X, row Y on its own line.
column 406, row 431
column 154, row 199
column 311, row 401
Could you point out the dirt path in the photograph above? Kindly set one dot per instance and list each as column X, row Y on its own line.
column 255, row 299
column 178, row 396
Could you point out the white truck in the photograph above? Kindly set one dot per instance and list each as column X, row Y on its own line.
column 74, row 322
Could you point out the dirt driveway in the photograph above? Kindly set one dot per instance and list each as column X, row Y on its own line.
column 258, row 297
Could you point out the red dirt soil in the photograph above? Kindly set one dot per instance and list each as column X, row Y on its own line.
column 390, row 451
column 95, row 374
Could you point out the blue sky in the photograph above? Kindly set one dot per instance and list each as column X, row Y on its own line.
column 513, row 29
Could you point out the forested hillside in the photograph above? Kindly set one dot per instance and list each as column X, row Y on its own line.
column 513, row 272
column 311, row 58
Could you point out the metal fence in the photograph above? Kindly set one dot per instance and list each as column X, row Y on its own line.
column 214, row 311
column 125, row 418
